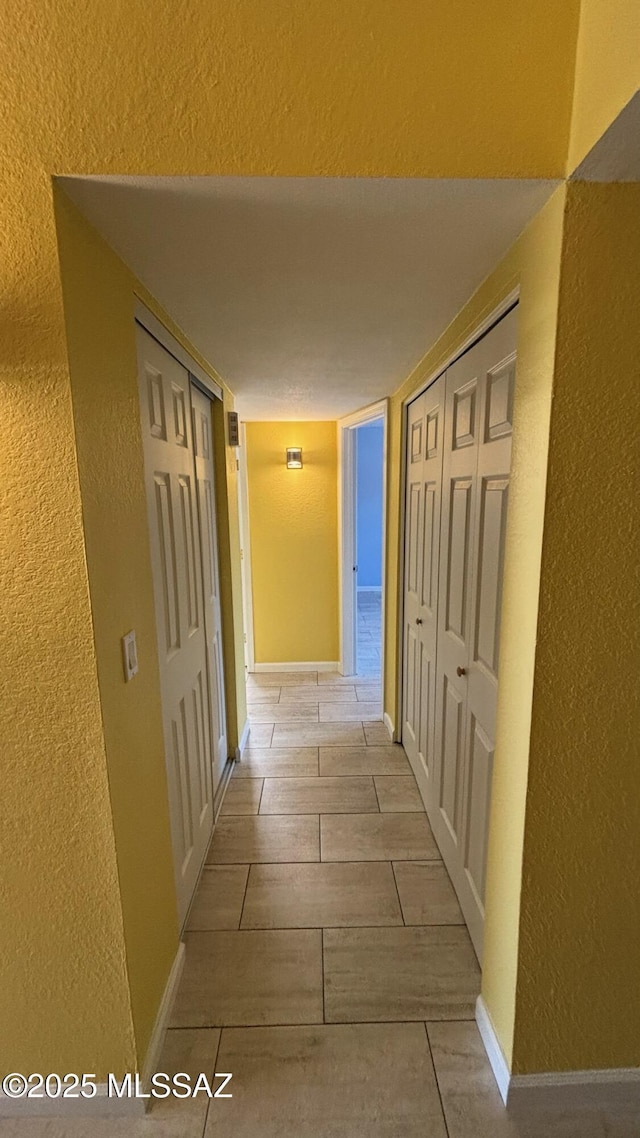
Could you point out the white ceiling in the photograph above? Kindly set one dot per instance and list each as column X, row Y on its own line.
column 311, row 297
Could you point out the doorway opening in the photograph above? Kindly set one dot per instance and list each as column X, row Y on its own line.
column 362, row 483
column 369, row 447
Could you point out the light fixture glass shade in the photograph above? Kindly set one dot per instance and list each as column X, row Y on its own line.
column 294, row 458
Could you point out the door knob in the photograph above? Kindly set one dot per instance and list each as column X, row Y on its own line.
column 418, row 620
column 461, row 671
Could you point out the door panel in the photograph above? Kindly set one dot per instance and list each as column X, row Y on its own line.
column 475, row 481
column 478, row 800
column 490, row 558
column 452, row 771
column 177, row 578
column 459, row 565
column 203, row 435
column 425, row 440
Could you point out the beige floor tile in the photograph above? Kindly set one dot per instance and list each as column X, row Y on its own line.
column 331, row 712
column 369, row 693
column 399, row 974
column 274, row 762
column 376, row 734
column 260, row 734
column 218, row 901
column 329, row 693
column 474, row 1109
column 333, row 678
column 242, row 796
column 263, row 695
column 426, row 894
column 376, row 837
column 280, row 679
column 318, row 735
column 282, row 712
column 244, row 840
column 342, row 894
column 389, row 759
column 250, row 978
column 330, row 1081
column 318, row 796
column 189, row 1051
column 398, row 795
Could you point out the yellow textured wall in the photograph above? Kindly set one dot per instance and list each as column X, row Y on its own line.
column 607, row 70
column 533, row 263
column 61, row 936
column 578, row 1002
column 98, row 299
column 293, row 516
column 99, row 293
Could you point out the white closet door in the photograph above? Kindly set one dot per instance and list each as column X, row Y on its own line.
column 165, row 398
column 479, row 401
column 489, row 527
column 203, row 441
column 462, row 418
column 425, row 436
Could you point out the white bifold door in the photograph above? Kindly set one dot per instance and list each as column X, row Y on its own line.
column 179, row 476
column 458, row 461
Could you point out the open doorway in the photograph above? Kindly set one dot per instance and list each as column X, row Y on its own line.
column 369, row 448
column 362, row 450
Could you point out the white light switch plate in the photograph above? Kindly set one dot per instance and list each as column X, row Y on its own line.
column 129, row 655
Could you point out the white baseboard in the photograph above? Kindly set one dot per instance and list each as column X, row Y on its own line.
column 244, row 739
column 156, row 1043
column 102, row 1104
column 300, row 666
column 494, row 1051
column 612, row 1092
column 386, row 719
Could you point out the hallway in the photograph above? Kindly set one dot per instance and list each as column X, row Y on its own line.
column 328, row 969
column 327, row 965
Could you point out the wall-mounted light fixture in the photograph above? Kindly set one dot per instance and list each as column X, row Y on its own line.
column 294, row 458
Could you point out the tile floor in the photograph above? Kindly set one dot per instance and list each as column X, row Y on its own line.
column 328, row 967
column 369, row 633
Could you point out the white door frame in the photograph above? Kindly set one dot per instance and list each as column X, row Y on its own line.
column 245, row 549
column 483, row 326
column 347, row 527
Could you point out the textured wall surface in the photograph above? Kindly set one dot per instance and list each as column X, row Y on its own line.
column 607, row 70
column 98, row 298
column 61, row 936
column 294, row 541
column 578, row 992
column 99, row 293
column 114, row 87
column 533, row 263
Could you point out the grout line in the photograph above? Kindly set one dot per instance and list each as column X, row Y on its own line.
column 395, row 879
column 375, row 790
column 244, row 897
column 435, row 1075
column 324, row 1010
column 310, row 1023
column 261, row 795
column 213, row 1072
column 318, row 928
